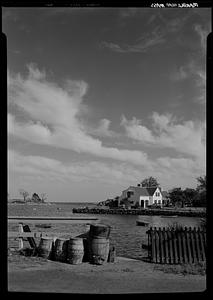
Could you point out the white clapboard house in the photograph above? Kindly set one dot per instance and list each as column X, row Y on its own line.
column 141, row 196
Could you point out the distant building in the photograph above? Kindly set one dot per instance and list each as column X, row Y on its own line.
column 141, row 196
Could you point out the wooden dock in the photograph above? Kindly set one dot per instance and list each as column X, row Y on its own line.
column 55, row 219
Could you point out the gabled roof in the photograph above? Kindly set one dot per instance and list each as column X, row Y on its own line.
column 143, row 191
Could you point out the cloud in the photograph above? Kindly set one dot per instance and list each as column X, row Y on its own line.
column 187, row 137
column 53, row 117
column 51, row 170
column 37, row 170
column 135, row 130
column 202, row 35
column 158, row 26
column 192, row 71
column 143, row 44
column 103, row 130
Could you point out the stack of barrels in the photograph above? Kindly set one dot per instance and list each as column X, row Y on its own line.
column 98, row 243
column 93, row 247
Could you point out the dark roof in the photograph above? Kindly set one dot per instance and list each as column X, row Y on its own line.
column 165, row 194
column 143, row 191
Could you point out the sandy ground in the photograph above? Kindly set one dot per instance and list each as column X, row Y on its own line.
column 34, row 274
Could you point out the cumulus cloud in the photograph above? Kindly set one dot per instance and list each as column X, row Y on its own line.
column 54, row 170
column 135, row 130
column 103, row 129
column 37, row 169
column 53, row 117
column 187, row 137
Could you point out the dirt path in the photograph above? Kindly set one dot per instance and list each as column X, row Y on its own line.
column 125, row 276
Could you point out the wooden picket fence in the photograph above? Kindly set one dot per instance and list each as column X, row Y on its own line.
column 176, row 246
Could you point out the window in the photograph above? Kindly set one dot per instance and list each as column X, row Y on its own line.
column 129, row 193
column 155, row 201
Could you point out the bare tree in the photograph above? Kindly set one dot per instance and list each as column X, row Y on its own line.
column 24, row 194
column 43, row 197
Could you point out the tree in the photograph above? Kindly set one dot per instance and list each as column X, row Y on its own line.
column 36, row 198
column 200, row 199
column 190, row 195
column 202, row 183
column 43, row 197
column 150, row 182
column 177, row 196
column 24, row 194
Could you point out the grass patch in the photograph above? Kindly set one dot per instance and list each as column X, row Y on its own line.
column 184, row 269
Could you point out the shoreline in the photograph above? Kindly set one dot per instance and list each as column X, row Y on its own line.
column 150, row 212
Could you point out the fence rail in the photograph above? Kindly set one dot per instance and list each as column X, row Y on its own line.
column 25, row 232
column 175, row 246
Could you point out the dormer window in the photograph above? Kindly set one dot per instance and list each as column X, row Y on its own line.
column 129, row 193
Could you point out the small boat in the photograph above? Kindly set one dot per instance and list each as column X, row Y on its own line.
column 43, row 225
column 142, row 223
column 175, row 216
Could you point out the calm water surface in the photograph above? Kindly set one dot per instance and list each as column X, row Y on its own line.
column 125, row 235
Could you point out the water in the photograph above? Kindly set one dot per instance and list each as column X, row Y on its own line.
column 125, row 235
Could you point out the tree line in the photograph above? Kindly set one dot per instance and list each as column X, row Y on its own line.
column 35, row 197
column 178, row 197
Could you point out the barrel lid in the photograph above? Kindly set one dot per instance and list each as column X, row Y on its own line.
column 76, row 239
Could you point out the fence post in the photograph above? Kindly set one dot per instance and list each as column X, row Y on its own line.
column 184, row 246
column 171, row 256
column 192, row 237
column 161, row 240
column 157, row 248
column 180, row 251
column 153, row 253
column 188, row 245
column 20, row 229
column 201, row 236
column 174, row 238
column 166, row 245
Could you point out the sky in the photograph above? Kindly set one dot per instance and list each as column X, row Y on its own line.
column 101, row 98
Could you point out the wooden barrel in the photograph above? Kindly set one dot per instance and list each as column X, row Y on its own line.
column 60, row 250
column 99, row 231
column 75, row 251
column 99, row 250
column 45, row 247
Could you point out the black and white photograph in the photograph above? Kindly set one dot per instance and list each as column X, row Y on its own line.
column 106, row 130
